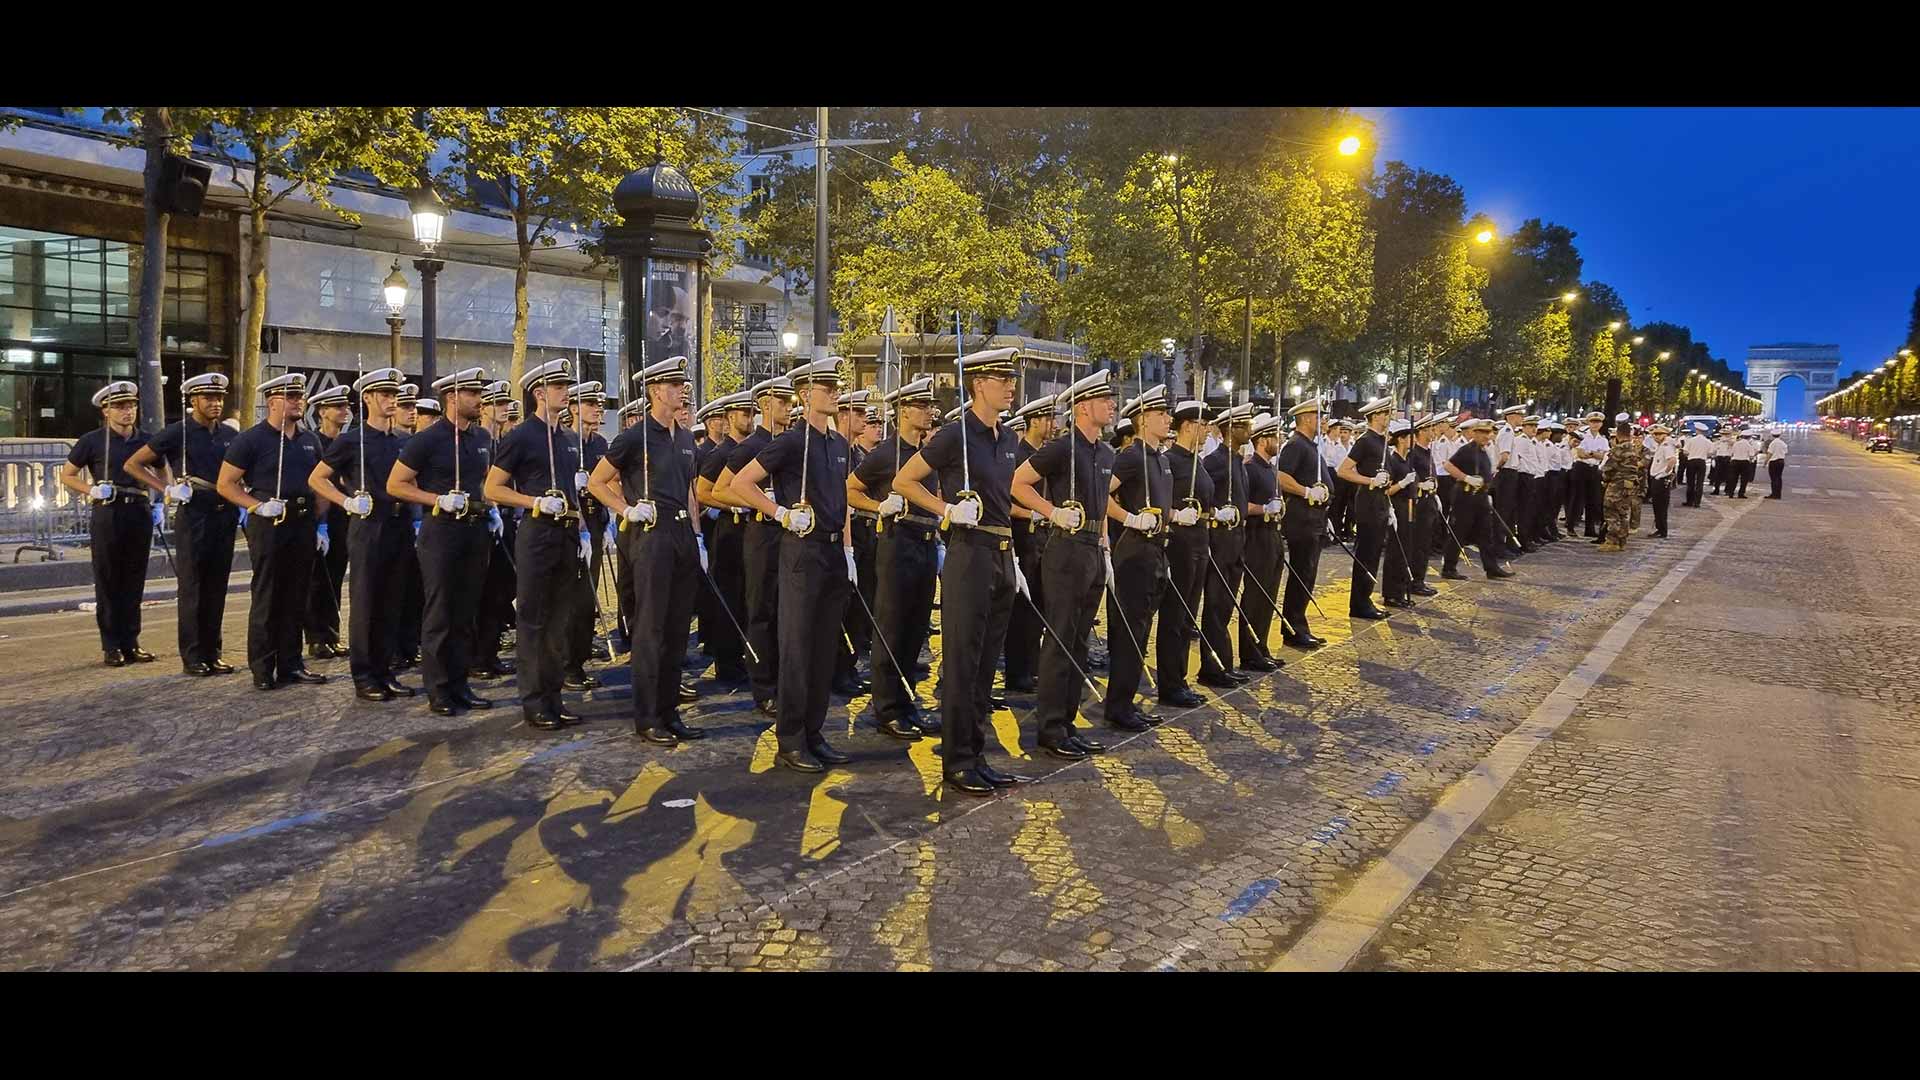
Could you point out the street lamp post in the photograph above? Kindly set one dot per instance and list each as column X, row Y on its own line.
column 429, row 214
column 395, row 288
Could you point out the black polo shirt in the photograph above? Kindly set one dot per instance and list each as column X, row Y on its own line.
column 1190, row 481
column 1368, row 454
column 522, row 455
column 1092, row 468
column 105, row 455
column 1473, row 460
column 430, row 454
column 206, row 449
column 715, row 462
column 827, row 466
column 879, row 467
column 989, row 461
column 1262, row 485
column 746, row 450
column 669, row 465
column 1229, row 477
column 1129, row 467
column 1300, row 459
column 382, row 449
column 263, row 455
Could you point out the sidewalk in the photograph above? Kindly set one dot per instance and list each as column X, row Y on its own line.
column 15, row 603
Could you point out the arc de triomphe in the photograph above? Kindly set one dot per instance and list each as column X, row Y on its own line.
column 1818, row 366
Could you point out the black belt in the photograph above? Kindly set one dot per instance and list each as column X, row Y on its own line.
column 919, row 530
column 865, row 515
column 738, row 512
column 297, row 505
column 818, row 536
column 1158, row 539
column 125, row 494
column 977, row 538
column 1079, row 536
column 569, row 520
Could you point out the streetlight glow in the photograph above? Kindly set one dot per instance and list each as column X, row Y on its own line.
column 1614, row 326
column 1301, row 367
column 1569, row 297
column 1293, row 391
column 429, row 214
column 1639, row 340
column 1433, row 385
column 1380, row 379
column 395, row 289
column 1226, row 385
column 1484, row 236
column 1350, row 146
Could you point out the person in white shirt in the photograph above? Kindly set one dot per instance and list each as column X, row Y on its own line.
column 1588, row 455
column 1530, row 506
column 1698, row 448
column 1662, row 462
column 1776, row 463
column 1340, row 510
column 1745, row 447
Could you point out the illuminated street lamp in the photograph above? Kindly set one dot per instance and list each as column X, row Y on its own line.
column 395, row 288
column 790, row 336
column 1484, row 236
column 1349, row 146
column 1614, row 326
column 428, row 213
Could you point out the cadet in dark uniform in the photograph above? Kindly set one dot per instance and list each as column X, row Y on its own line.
column 1472, row 518
column 1298, row 471
column 1187, row 571
column 322, row 628
column 533, row 470
column 204, row 525
column 380, row 542
column 443, row 468
column 409, row 417
column 808, row 467
column 653, row 462
column 1366, row 469
column 905, row 561
column 851, row 420
column 760, row 549
column 1140, row 499
column 123, row 520
column 1264, row 549
column 1396, row 587
column 974, row 460
column 1426, row 504
column 1077, row 471
column 1226, row 541
column 623, row 548
column 726, row 546
column 265, row 473
column 1033, row 422
column 588, row 405
column 495, row 611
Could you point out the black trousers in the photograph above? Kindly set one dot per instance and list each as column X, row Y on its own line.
column 761, row 555
column 725, row 560
column 1397, row 575
column 1023, row 625
column 1261, row 569
column 1419, row 534
column 1776, row 472
column 1179, row 606
column 204, row 533
column 904, row 579
column 121, row 535
column 1506, row 502
column 1076, row 576
column 1577, row 478
column 1696, row 480
column 453, row 562
column 1473, row 523
column 813, row 589
column 586, row 603
column 1742, row 474
column 1367, row 549
column 1592, row 492
column 666, row 570
column 413, row 596
column 283, row 569
column 1303, row 557
column 623, row 586
column 1662, row 492
column 1722, row 474
column 1220, row 592
column 322, row 625
column 976, row 600
column 378, row 549
column 548, row 584
column 495, row 611
column 1340, row 511
column 854, row 621
column 1140, row 576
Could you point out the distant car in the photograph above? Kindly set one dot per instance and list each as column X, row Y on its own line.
column 1880, row 444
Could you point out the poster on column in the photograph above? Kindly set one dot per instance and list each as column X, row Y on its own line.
column 672, row 311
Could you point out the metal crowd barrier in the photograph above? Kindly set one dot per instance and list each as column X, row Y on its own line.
column 36, row 512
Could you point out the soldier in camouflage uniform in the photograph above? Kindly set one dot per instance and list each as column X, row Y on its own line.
column 1621, row 474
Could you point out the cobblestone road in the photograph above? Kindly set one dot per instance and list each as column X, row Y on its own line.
column 152, row 821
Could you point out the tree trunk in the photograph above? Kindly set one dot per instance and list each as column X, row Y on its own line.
column 249, row 374
column 520, row 269
column 155, row 126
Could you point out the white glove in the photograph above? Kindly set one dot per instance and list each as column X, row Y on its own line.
column 893, row 504
column 1402, row 484
column 642, row 513
column 550, row 505
column 1317, row 494
column 1393, row 520
column 270, row 509
column 712, row 512
column 796, row 519
column 160, row 518
column 1226, row 515
column 586, row 546
column 101, row 491
column 1186, row 515
column 494, row 524
column 1019, row 579
column 1070, row 518
column 939, row 559
column 580, row 482
column 1275, row 508
column 453, row 502
column 1475, row 483
column 180, row 492
column 608, row 543
column 322, row 539
column 700, row 542
column 1380, row 480
column 361, row 505
column 964, row 512
column 1429, row 485
column 1107, row 557
column 1140, row 522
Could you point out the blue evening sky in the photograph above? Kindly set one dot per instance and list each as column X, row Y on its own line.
column 1749, row 226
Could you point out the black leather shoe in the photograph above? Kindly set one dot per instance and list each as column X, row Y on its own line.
column 998, row 701
column 1064, row 749
column 1129, row 722
column 969, row 781
column 1182, row 698
column 768, row 707
column 489, row 671
column 1000, row 779
column 138, row 655
column 1025, row 685
column 303, row 675
column 659, row 736
column 266, row 684
column 846, row 686
column 928, row 723
column 577, row 682
column 439, row 706
column 1218, row 680
column 567, row 716
column 1424, row 589
column 1396, row 602
column 1301, row 641
column 1500, row 572
column 396, row 689
column 196, row 669
column 688, row 694
column 902, row 729
column 406, row 660
column 1453, row 575
column 826, row 753
column 1529, row 548
column 370, row 692
column 798, row 761
column 543, row 721
column 682, row 731
column 467, row 699
column 730, row 676
column 218, row 666
column 1259, row 663
column 320, row 652
column 1089, row 745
